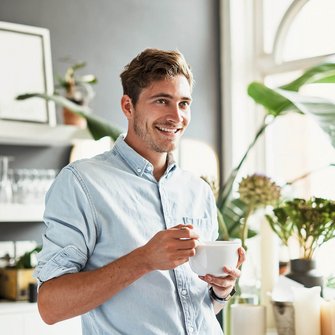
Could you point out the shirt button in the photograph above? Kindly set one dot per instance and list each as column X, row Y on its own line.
column 191, row 329
column 183, row 292
column 149, row 168
column 139, row 170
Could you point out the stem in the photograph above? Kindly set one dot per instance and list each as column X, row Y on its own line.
column 227, row 187
column 244, row 228
column 303, row 176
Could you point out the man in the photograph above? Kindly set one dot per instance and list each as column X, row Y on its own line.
column 122, row 225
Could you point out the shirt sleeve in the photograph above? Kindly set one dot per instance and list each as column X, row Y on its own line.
column 71, row 233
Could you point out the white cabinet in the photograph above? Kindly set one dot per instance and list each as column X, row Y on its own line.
column 22, row 318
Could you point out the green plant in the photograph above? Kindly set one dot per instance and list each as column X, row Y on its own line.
column 311, row 222
column 26, row 260
column 277, row 102
column 77, row 88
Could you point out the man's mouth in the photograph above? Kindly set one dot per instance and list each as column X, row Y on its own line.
column 170, row 130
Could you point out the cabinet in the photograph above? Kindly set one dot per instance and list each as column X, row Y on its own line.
column 22, row 318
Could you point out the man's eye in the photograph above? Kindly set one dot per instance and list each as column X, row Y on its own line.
column 184, row 104
column 161, row 101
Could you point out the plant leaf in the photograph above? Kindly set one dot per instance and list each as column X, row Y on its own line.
column 97, row 126
column 274, row 103
column 322, row 73
column 321, row 109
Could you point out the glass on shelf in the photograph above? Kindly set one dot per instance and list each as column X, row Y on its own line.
column 6, row 191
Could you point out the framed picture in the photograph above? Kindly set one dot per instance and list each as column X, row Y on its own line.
column 25, row 67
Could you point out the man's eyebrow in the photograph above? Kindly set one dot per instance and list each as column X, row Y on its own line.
column 166, row 95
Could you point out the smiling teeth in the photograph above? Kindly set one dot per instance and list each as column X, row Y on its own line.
column 168, row 130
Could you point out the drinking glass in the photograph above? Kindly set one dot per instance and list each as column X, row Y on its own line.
column 6, row 191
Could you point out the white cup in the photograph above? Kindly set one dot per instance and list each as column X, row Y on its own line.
column 211, row 257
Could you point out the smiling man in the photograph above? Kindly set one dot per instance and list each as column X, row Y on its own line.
column 121, row 227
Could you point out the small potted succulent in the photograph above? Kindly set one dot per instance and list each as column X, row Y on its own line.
column 311, row 222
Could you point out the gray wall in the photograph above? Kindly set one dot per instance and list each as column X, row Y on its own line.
column 107, row 34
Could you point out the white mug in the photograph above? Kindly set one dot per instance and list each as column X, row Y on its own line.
column 211, row 257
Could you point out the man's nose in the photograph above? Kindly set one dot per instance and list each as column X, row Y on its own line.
column 175, row 114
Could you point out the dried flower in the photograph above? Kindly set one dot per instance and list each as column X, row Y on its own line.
column 258, row 191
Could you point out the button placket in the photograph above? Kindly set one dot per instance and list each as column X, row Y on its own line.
column 184, row 299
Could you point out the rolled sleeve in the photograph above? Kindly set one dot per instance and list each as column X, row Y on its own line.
column 67, row 260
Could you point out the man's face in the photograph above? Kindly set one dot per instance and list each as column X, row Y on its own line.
column 160, row 116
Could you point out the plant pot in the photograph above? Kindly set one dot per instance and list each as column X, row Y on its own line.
column 71, row 118
column 304, row 272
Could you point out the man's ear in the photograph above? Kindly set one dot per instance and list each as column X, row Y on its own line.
column 127, row 106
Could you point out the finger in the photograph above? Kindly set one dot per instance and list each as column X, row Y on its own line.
column 184, row 233
column 241, row 257
column 218, row 281
column 234, row 273
column 181, row 226
column 187, row 244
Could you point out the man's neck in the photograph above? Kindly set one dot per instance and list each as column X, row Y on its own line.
column 157, row 159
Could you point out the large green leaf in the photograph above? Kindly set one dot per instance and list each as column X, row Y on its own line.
column 322, row 73
column 275, row 104
column 322, row 110
column 97, row 126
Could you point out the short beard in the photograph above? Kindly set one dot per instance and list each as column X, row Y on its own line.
column 143, row 134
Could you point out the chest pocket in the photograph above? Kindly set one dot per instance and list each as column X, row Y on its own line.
column 202, row 226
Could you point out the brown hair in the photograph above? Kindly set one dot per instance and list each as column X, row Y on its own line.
column 152, row 65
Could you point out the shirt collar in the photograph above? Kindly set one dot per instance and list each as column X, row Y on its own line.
column 136, row 162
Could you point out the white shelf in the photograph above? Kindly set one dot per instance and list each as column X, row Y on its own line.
column 21, row 213
column 7, row 306
column 36, row 134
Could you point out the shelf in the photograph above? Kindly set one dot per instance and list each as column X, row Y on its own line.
column 21, row 213
column 36, row 134
column 7, row 306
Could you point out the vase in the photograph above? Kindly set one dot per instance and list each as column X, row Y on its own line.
column 304, row 272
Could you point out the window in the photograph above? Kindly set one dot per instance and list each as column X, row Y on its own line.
column 273, row 41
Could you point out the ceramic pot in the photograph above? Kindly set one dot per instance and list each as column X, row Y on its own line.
column 304, row 272
column 71, row 118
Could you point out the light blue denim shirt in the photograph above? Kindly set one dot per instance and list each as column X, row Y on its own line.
column 102, row 208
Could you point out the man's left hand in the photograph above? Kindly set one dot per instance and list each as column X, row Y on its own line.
column 222, row 286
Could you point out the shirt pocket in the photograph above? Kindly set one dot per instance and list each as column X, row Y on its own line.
column 203, row 226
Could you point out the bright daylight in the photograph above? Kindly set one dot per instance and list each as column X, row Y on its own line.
column 167, row 167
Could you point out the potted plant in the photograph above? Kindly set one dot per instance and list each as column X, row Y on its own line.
column 15, row 279
column 77, row 89
column 311, row 222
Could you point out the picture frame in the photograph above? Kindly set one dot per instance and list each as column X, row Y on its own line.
column 25, row 67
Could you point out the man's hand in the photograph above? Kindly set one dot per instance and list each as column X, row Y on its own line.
column 222, row 286
column 170, row 248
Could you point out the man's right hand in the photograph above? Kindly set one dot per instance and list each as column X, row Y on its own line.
column 171, row 248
